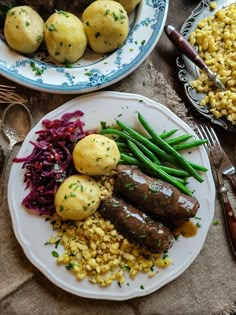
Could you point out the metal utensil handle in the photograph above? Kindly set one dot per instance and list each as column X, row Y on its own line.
column 179, row 41
column 3, row 173
column 230, row 220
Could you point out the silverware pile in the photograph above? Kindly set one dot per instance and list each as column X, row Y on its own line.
column 8, row 95
column 15, row 124
column 222, row 165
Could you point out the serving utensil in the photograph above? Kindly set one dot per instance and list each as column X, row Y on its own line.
column 180, row 42
column 216, row 157
column 16, row 123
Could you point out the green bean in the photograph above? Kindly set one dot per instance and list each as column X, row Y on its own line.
column 189, row 145
column 117, row 132
column 161, row 153
column 167, row 134
column 146, row 151
column 165, row 176
column 179, row 158
column 181, row 180
column 138, row 137
column 174, row 171
column 133, row 161
column 198, row 167
column 121, row 144
column 179, row 139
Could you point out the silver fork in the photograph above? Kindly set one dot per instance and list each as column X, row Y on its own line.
column 216, row 155
column 8, row 95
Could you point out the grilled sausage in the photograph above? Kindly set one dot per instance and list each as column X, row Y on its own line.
column 160, row 200
column 135, row 225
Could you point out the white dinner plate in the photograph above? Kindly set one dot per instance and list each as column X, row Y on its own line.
column 32, row 231
column 92, row 71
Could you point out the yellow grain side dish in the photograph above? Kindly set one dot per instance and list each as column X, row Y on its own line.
column 215, row 39
column 93, row 249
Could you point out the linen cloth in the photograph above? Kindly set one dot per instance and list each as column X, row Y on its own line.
column 208, row 286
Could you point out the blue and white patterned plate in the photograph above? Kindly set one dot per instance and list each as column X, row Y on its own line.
column 93, row 71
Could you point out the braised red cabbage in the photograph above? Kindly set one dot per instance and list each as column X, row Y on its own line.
column 50, row 161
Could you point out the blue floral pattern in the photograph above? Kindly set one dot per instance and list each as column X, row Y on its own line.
column 92, row 71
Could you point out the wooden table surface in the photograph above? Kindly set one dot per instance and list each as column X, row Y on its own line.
column 164, row 59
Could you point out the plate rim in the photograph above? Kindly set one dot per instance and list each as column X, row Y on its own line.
column 54, row 279
column 121, row 73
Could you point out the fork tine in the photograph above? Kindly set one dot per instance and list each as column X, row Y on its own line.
column 213, row 146
column 206, row 131
column 8, row 95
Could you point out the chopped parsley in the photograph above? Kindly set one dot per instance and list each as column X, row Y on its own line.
column 57, row 243
column 143, row 42
column 52, row 28
column 126, row 268
column 62, row 12
column 129, row 186
column 115, row 16
column 55, row 254
column 68, row 64
column 37, row 70
column 154, row 187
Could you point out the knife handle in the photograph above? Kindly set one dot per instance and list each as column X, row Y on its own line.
column 230, row 221
column 232, row 179
column 180, row 42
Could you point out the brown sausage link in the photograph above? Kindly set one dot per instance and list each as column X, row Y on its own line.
column 135, row 225
column 159, row 199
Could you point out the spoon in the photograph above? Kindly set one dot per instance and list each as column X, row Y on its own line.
column 16, row 123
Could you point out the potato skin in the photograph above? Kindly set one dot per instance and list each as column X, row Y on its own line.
column 106, row 25
column 129, row 5
column 77, row 197
column 96, row 155
column 65, row 37
column 23, row 29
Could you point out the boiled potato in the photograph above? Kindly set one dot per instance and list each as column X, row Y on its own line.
column 77, row 197
column 96, row 155
column 129, row 5
column 23, row 29
column 65, row 37
column 106, row 25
